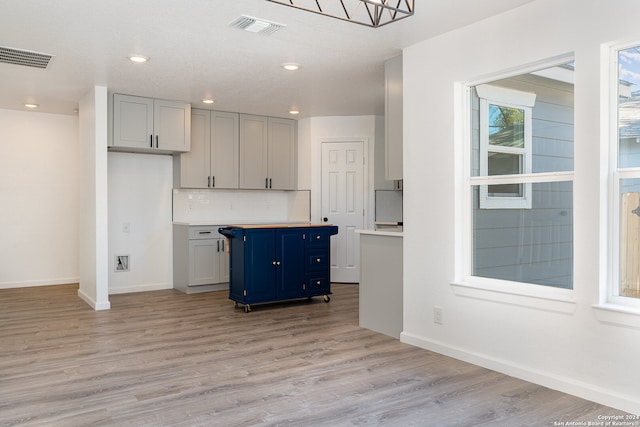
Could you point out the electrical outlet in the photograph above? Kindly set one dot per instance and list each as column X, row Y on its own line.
column 437, row 315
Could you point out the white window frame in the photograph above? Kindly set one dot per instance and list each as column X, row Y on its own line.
column 617, row 174
column 503, row 97
column 465, row 284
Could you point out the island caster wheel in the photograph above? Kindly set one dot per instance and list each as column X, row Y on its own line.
column 326, row 298
column 247, row 308
column 235, row 304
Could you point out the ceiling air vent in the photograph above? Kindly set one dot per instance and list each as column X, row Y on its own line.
column 256, row 25
column 27, row 58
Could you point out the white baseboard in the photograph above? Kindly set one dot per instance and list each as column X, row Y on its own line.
column 140, row 288
column 32, row 283
column 567, row 385
column 106, row 305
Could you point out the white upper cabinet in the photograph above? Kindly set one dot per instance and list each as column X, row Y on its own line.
column 132, row 122
column 225, row 149
column 281, row 153
column 150, row 125
column 393, row 118
column 267, row 152
column 254, row 134
column 213, row 160
column 172, row 125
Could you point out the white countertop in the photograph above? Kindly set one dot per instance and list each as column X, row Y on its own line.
column 381, row 233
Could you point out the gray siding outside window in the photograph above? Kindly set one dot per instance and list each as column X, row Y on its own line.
column 531, row 245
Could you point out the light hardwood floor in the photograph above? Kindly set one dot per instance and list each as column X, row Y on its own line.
column 168, row 359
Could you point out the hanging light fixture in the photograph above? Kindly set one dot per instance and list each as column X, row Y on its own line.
column 372, row 13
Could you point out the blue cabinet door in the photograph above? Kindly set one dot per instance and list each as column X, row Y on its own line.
column 259, row 268
column 290, row 269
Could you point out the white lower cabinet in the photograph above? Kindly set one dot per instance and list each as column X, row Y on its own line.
column 200, row 259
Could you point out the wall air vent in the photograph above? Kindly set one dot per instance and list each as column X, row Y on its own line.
column 28, row 58
column 256, row 25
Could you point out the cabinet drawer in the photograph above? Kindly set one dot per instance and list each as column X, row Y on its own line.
column 317, row 260
column 317, row 283
column 204, row 232
column 318, row 238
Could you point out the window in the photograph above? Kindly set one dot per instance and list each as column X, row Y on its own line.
column 520, row 181
column 505, row 145
column 626, row 180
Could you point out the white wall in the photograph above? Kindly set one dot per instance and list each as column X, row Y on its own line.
column 140, row 188
column 39, row 187
column 93, row 242
column 566, row 349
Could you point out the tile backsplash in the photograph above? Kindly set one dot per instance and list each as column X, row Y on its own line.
column 240, row 206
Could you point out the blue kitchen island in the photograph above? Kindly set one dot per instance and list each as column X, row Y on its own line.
column 278, row 262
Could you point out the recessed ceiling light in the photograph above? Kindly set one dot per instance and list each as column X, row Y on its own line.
column 139, row 59
column 31, row 105
column 294, row 112
column 208, row 101
column 291, row 66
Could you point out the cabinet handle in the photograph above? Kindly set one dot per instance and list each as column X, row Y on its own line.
column 213, row 181
column 151, row 141
column 204, row 232
column 269, row 182
column 218, row 245
column 266, row 183
column 157, row 141
column 223, row 245
column 208, row 181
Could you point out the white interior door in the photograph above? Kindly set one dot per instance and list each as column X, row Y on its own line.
column 343, row 205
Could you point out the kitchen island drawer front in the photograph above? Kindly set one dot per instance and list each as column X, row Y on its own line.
column 317, row 259
column 203, row 232
column 318, row 238
column 318, row 284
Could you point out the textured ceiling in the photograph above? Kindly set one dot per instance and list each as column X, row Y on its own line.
column 195, row 54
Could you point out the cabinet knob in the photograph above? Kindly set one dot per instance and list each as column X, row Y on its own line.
column 318, row 282
column 317, row 259
column 318, row 237
column 325, row 219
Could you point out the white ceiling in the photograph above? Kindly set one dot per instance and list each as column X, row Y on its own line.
column 195, row 54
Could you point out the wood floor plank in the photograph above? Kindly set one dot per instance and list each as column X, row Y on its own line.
column 168, row 359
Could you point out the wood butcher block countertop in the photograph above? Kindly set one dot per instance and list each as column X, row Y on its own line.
column 278, row 225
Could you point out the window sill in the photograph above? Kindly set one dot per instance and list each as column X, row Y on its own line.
column 523, row 295
column 618, row 315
